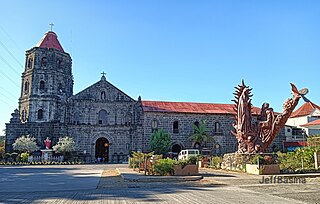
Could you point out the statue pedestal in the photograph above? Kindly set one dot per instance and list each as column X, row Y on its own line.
column 46, row 154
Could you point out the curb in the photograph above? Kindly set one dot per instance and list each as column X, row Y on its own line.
column 163, row 179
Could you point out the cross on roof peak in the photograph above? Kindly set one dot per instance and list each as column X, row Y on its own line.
column 103, row 77
column 51, row 25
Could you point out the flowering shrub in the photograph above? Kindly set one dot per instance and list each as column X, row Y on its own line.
column 25, row 143
column 65, row 144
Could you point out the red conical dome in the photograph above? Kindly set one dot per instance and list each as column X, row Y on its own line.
column 50, row 40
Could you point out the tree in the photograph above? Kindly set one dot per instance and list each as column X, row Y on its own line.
column 201, row 135
column 2, row 143
column 25, row 143
column 314, row 142
column 64, row 145
column 160, row 141
column 1, row 150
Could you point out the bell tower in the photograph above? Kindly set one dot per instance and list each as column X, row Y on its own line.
column 47, row 82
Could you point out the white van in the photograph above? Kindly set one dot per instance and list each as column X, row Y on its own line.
column 187, row 153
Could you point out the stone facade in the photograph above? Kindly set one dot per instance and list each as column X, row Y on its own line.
column 227, row 142
column 185, row 121
column 103, row 120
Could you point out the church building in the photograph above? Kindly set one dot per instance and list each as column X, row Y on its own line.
column 102, row 119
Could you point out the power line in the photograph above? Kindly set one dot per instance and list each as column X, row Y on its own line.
column 6, row 97
column 11, row 105
column 9, row 37
column 10, row 53
column 1, row 72
column 5, row 61
column 9, row 93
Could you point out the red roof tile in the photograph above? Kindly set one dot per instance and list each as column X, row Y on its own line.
column 190, row 107
column 305, row 109
column 50, row 40
column 312, row 123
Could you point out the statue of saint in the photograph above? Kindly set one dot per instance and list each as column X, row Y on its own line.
column 47, row 143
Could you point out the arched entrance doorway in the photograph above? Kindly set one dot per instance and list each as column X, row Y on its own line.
column 102, row 150
column 176, row 148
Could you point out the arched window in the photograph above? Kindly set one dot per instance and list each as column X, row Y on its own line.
column 76, row 118
column 40, row 114
column 26, row 87
column 175, row 126
column 42, row 85
column 154, row 125
column 29, row 65
column 24, row 116
column 217, row 128
column 43, row 62
column 103, row 95
column 59, row 64
column 103, row 117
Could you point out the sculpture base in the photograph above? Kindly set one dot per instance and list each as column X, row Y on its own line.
column 238, row 161
column 46, row 154
column 263, row 169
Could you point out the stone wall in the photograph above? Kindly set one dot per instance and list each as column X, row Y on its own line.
column 165, row 121
column 38, row 130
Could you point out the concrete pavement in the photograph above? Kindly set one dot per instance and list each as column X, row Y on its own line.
column 82, row 184
column 50, row 178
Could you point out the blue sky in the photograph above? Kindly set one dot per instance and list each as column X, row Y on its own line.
column 170, row 50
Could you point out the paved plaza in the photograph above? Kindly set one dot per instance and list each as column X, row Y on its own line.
column 103, row 184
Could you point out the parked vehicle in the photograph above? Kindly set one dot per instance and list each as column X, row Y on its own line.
column 187, row 153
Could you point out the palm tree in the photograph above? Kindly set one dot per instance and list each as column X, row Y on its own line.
column 201, row 135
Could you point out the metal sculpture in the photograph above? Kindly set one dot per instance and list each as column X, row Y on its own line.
column 257, row 138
